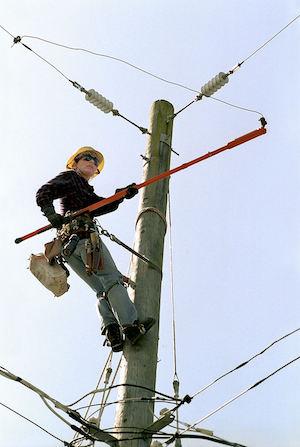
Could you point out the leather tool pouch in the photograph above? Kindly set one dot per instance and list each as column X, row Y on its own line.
column 53, row 249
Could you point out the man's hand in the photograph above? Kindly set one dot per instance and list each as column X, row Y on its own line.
column 54, row 218
column 131, row 191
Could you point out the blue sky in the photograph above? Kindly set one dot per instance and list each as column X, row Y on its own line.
column 235, row 218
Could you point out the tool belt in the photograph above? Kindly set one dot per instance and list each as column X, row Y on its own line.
column 83, row 227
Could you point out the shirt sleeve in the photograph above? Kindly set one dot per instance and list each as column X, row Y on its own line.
column 55, row 188
column 106, row 208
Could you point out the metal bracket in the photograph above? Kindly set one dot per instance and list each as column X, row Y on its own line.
column 158, row 425
column 101, row 435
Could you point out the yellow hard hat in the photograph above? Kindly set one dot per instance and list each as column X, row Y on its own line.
column 90, row 150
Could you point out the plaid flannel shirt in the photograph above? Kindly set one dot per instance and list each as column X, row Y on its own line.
column 74, row 193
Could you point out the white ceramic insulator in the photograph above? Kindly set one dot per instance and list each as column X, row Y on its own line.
column 214, row 84
column 99, row 101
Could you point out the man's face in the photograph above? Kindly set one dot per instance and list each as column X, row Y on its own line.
column 87, row 164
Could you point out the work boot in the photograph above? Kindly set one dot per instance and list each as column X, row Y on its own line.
column 114, row 337
column 135, row 331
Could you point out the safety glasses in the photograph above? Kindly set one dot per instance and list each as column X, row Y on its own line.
column 88, row 157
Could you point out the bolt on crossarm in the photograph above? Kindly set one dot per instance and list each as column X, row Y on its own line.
column 139, row 362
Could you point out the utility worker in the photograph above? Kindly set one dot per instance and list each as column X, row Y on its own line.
column 84, row 251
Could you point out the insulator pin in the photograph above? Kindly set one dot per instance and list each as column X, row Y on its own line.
column 99, row 101
column 214, row 84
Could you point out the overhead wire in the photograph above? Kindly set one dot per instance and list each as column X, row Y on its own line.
column 45, row 398
column 116, row 112
column 237, row 396
column 269, row 40
column 236, row 106
column 35, row 424
column 184, row 436
column 119, row 385
column 4, row 29
column 163, row 79
column 123, row 61
column 241, row 365
column 144, row 130
column 92, row 96
column 129, row 399
column 251, row 55
column 237, row 66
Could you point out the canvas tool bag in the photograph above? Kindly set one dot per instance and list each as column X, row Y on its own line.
column 47, row 269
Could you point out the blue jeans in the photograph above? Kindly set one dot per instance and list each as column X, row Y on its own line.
column 117, row 306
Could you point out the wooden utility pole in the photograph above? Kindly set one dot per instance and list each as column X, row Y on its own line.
column 139, row 362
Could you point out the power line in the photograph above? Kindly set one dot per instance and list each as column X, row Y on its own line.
column 241, row 365
column 90, row 95
column 116, row 112
column 235, row 106
column 119, row 385
column 34, row 423
column 240, row 394
column 123, row 61
column 4, row 29
column 269, row 40
column 115, row 59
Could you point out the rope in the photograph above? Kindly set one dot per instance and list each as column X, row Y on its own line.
column 153, row 210
column 172, row 288
column 176, row 382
